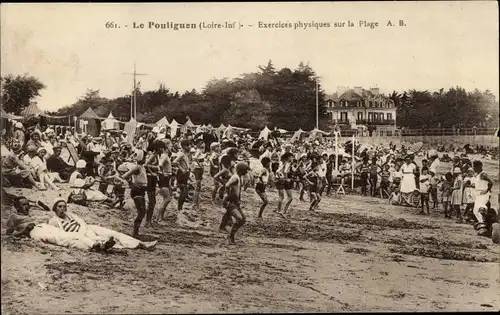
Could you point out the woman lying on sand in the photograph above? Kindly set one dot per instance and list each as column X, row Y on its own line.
column 68, row 230
column 70, row 222
column 22, row 225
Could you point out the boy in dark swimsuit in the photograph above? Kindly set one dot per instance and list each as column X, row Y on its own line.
column 232, row 200
column 260, row 186
column 313, row 181
column 182, row 163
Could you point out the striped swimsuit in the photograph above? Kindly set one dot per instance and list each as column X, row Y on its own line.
column 71, row 226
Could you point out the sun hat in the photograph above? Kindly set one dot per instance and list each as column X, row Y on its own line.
column 31, row 148
column 81, row 164
column 139, row 155
column 457, row 170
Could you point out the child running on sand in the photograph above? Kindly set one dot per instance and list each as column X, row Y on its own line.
column 433, row 184
column 424, row 190
column 231, row 202
column 468, row 196
column 446, row 191
column 260, row 186
column 313, row 180
column 214, row 167
column 182, row 162
column 385, row 182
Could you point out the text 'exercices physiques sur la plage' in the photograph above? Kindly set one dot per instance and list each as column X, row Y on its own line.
column 233, row 25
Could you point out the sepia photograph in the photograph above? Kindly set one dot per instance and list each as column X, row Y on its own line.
column 271, row 157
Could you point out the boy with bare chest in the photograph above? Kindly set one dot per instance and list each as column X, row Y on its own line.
column 231, row 201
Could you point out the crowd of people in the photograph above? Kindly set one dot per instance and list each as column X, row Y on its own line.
column 150, row 163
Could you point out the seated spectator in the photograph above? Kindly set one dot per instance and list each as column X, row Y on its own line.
column 21, row 225
column 16, row 171
column 56, row 164
column 79, row 172
column 39, row 170
column 82, row 193
column 35, row 139
column 70, row 222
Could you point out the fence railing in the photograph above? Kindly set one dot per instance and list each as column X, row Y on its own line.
column 447, row 132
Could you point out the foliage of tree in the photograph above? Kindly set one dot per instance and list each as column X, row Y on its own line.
column 446, row 109
column 284, row 98
column 19, row 91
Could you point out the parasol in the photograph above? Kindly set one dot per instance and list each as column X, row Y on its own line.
column 415, row 148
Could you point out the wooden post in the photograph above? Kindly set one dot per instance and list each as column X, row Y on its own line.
column 352, row 162
column 336, row 151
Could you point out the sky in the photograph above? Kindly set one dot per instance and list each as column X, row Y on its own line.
column 68, row 47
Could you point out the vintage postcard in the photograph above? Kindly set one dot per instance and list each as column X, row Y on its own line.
column 249, row 157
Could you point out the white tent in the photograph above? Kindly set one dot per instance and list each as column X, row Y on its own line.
column 110, row 123
column 162, row 122
column 189, row 124
column 264, row 134
column 174, row 125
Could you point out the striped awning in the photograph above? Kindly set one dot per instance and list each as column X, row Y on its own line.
column 31, row 110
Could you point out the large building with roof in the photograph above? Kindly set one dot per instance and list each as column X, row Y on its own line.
column 359, row 107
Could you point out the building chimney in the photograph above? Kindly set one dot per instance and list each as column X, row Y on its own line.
column 358, row 90
column 375, row 91
column 341, row 90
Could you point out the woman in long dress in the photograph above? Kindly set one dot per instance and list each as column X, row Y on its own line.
column 457, row 194
column 408, row 185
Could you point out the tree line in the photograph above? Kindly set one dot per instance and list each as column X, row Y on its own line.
column 284, row 98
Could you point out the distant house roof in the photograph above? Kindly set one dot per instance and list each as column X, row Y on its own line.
column 350, row 95
column 90, row 114
column 332, row 97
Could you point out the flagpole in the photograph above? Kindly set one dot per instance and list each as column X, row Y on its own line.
column 133, row 101
column 336, row 151
column 317, row 103
column 352, row 162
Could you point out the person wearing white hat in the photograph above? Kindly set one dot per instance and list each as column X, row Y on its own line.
column 19, row 133
column 79, row 171
column 68, row 221
column 21, row 224
column 138, row 182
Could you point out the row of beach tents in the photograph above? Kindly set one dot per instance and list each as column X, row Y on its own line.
column 92, row 123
